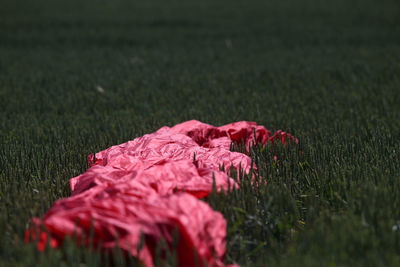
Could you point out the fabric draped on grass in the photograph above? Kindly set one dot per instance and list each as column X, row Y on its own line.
column 150, row 188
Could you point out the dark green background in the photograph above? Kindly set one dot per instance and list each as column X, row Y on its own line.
column 326, row 71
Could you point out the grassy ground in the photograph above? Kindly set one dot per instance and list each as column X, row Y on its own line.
column 326, row 71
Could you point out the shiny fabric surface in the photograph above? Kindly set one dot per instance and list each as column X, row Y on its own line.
column 151, row 186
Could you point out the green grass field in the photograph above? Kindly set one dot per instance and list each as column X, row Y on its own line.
column 326, row 71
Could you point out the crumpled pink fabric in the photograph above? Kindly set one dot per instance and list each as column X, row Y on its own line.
column 127, row 210
column 172, row 151
column 152, row 185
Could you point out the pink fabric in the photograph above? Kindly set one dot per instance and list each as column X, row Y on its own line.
column 127, row 210
column 152, row 185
